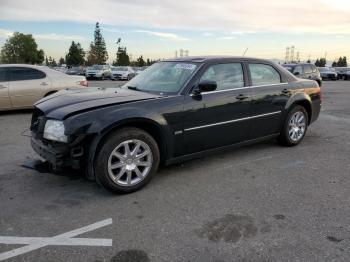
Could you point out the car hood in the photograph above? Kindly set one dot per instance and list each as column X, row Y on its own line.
column 64, row 103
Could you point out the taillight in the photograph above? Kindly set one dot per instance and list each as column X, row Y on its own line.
column 83, row 83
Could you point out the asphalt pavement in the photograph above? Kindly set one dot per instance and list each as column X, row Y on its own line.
column 257, row 203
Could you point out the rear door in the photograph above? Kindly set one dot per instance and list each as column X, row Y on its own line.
column 5, row 102
column 26, row 86
column 221, row 117
column 271, row 94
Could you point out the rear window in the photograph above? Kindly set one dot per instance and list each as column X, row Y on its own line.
column 24, row 73
column 307, row 69
column 262, row 74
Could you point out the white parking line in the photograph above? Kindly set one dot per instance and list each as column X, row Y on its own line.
column 64, row 239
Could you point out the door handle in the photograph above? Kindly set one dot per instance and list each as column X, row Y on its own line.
column 44, row 84
column 242, row 97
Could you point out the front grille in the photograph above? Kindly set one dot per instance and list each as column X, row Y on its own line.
column 37, row 120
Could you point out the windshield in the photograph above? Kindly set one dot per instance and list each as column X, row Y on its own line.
column 97, row 67
column 163, row 77
column 119, row 68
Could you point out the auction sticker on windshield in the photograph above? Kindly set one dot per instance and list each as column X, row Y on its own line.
column 185, row 66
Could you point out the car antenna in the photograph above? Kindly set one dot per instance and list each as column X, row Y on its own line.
column 245, row 51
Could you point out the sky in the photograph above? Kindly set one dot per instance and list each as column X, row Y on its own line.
column 157, row 28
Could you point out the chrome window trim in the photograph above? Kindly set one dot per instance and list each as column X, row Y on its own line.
column 232, row 121
column 241, row 88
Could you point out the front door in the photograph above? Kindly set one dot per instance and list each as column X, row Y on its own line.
column 221, row 117
column 5, row 102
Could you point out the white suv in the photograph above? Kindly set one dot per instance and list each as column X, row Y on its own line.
column 99, row 72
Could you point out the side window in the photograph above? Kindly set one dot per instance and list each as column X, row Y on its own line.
column 314, row 69
column 308, row 69
column 23, row 73
column 3, row 74
column 262, row 74
column 226, row 76
column 298, row 69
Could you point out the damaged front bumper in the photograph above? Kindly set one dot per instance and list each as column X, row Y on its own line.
column 59, row 155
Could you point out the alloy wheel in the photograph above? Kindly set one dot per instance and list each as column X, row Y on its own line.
column 130, row 162
column 297, row 126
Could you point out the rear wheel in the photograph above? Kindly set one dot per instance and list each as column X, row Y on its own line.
column 127, row 160
column 295, row 126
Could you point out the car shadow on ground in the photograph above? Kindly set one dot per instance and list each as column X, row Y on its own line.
column 16, row 112
column 74, row 180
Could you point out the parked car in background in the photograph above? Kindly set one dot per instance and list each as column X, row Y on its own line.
column 346, row 75
column 98, row 72
column 76, row 70
column 123, row 72
column 181, row 109
column 138, row 70
column 61, row 69
column 305, row 71
column 22, row 85
column 328, row 73
column 342, row 72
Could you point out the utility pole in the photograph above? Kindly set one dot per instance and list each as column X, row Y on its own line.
column 298, row 59
column 181, row 52
column 292, row 53
column 287, row 55
column 176, row 54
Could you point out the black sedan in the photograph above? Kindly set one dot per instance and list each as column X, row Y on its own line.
column 173, row 111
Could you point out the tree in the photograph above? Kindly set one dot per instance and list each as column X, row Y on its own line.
column 140, row 62
column 342, row 62
column 123, row 58
column 62, row 61
column 98, row 53
column 345, row 62
column 51, row 62
column 21, row 48
column 321, row 62
column 308, row 61
column 75, row 55
column 334, row 64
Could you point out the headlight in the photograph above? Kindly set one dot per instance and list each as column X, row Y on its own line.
column 54, row 130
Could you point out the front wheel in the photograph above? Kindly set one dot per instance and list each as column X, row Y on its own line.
column 127, row 160
column 295, row 126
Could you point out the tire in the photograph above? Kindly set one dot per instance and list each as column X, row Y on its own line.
column 289, row 137
column 102, row 77
column 123, row 178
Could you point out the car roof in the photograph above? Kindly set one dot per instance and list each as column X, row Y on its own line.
column 297, row 64
column 21, row 65
column 202, row 59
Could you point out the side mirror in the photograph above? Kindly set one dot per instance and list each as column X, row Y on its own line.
column 207, row 86
column 296, row 73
